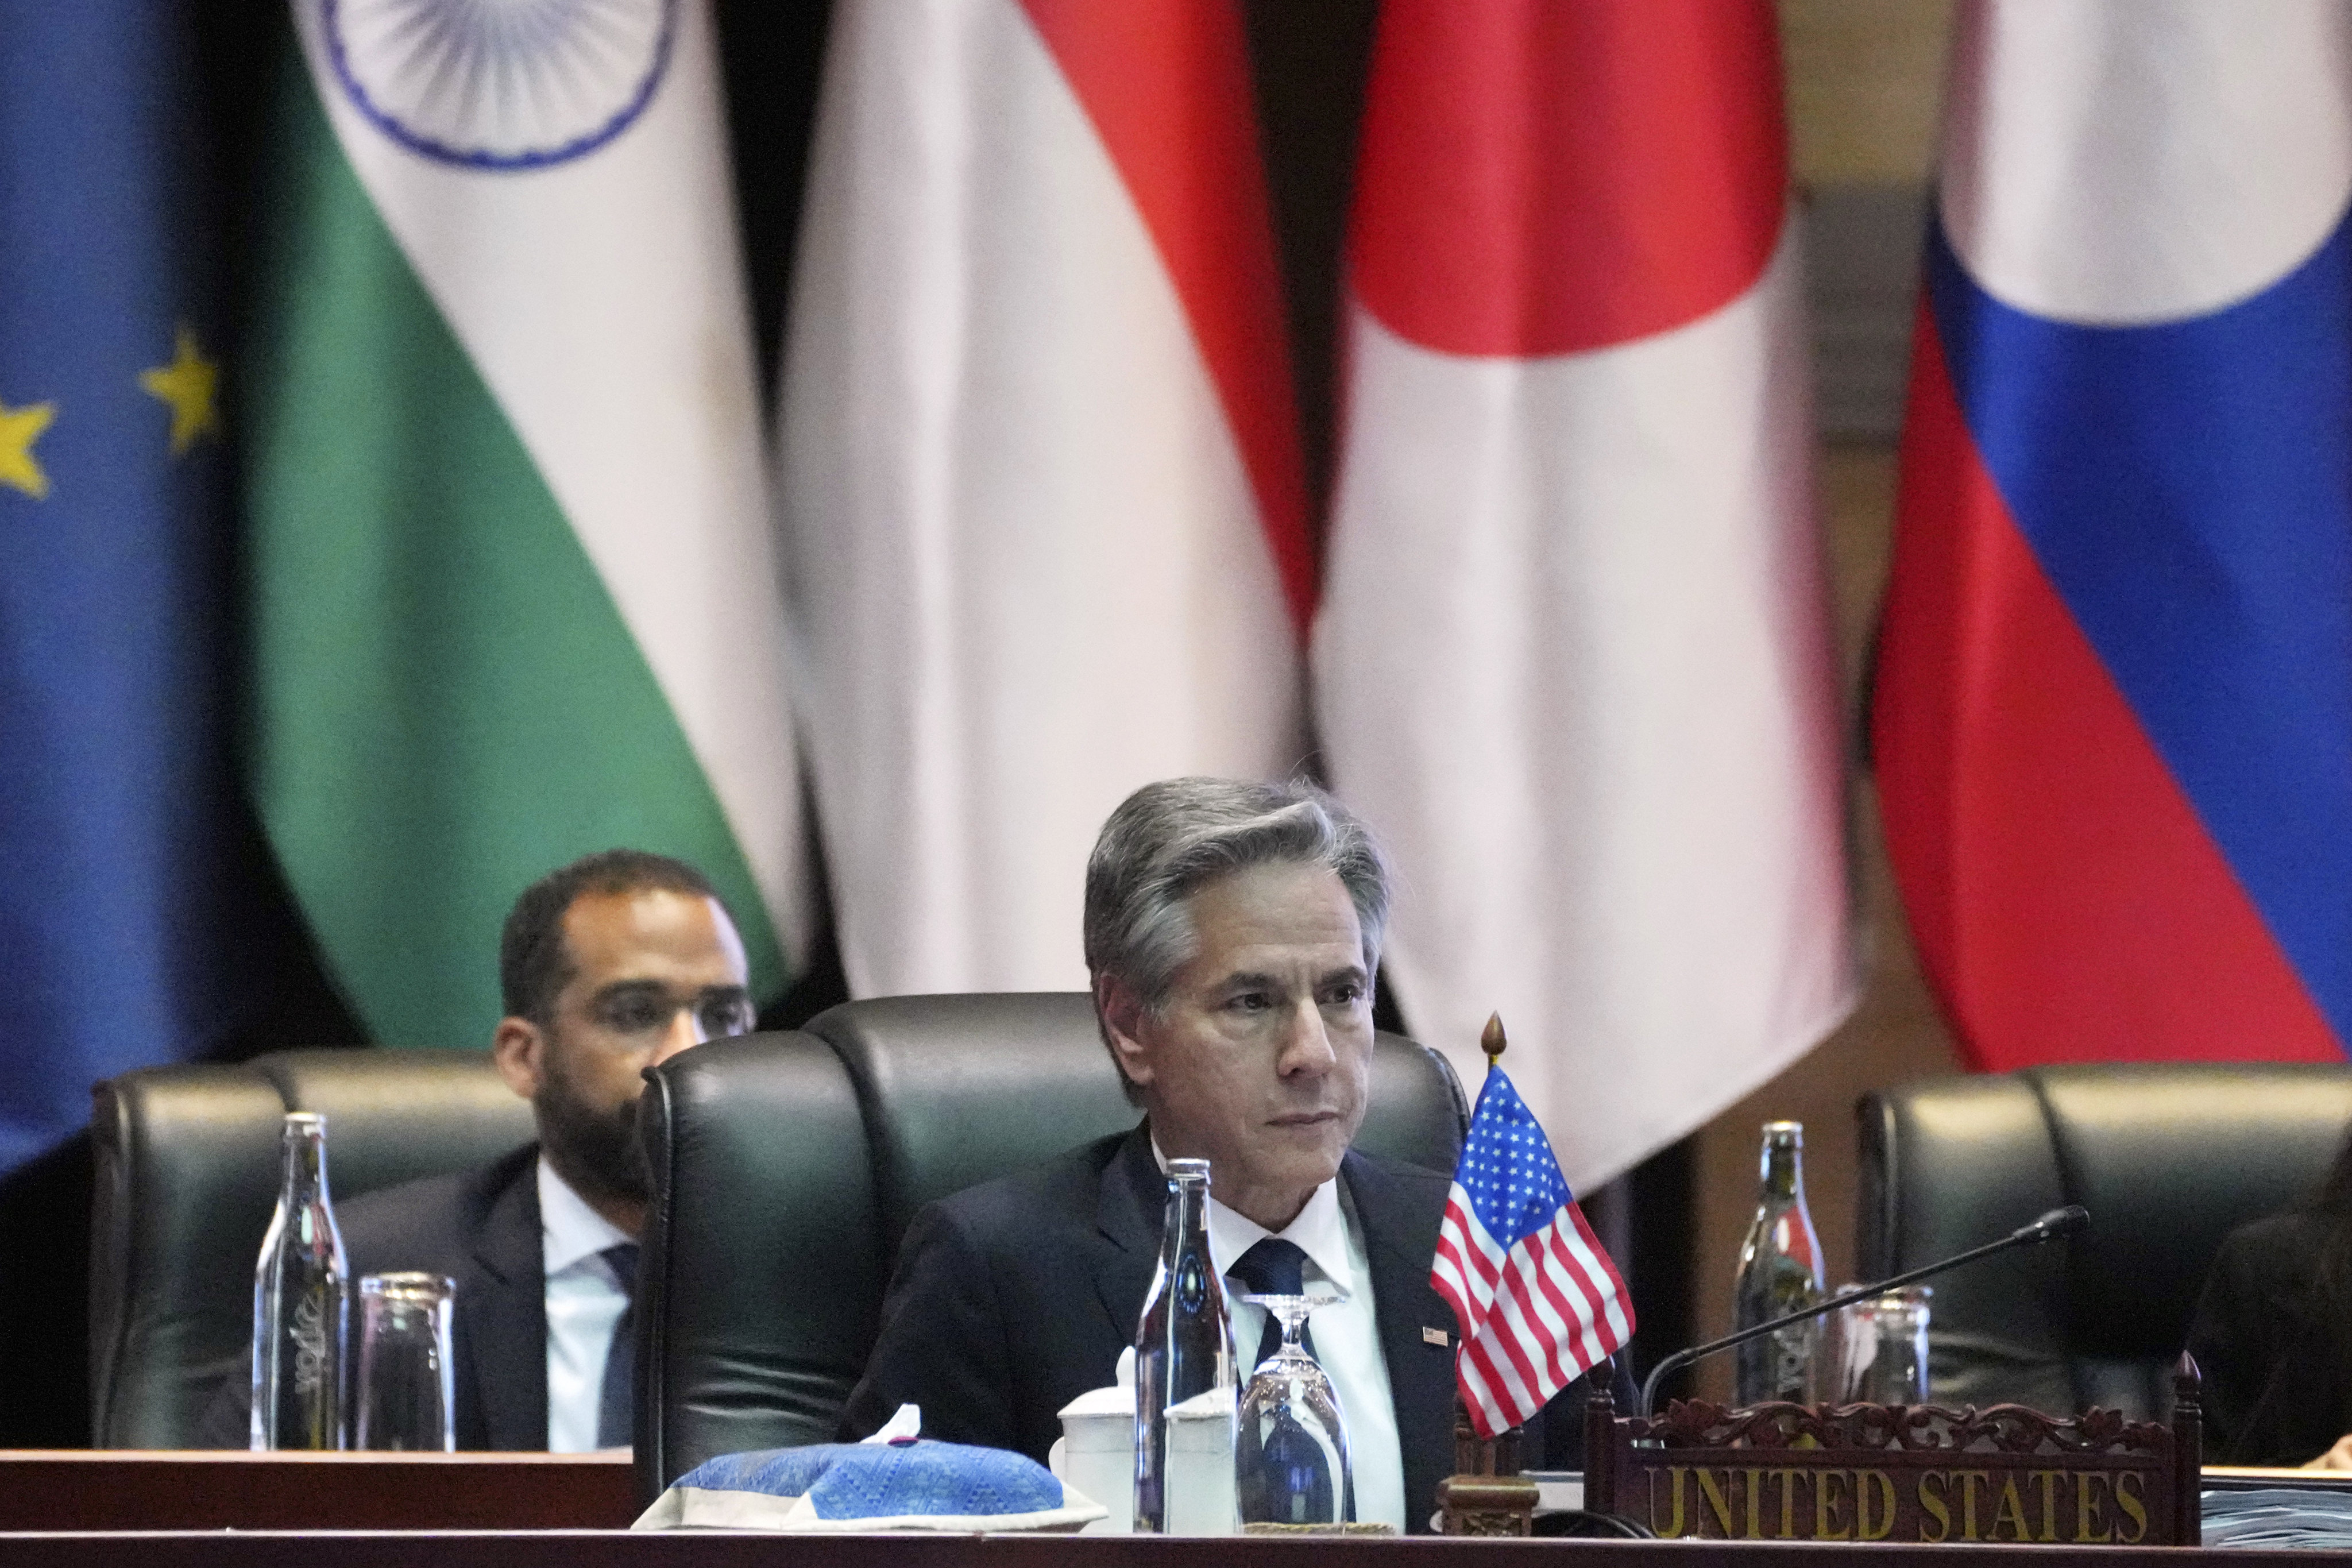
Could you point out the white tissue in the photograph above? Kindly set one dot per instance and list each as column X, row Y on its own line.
column 907, row 1421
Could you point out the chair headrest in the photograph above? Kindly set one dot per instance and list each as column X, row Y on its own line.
column 379, row 1130
column 958, row 1089
column 2170, row 1158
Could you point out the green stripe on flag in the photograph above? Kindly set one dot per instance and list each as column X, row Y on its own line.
column 447, row 704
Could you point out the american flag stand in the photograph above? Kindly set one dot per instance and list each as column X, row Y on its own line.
column 1538, row 1301
column 1486, row 1495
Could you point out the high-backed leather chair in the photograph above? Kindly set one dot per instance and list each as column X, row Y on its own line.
column 760, row 1285
column 188, row 1162
column 761, row 1277
column 2167, row 1157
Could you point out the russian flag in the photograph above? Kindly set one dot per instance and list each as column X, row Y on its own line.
column 2113, row 709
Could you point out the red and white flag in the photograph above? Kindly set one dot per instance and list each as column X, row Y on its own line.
column 1573, row 657
column 1045, row 520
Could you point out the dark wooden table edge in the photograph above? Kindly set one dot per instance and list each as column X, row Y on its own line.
column 734, row 1549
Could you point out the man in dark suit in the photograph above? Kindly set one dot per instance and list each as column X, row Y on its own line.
column 1231, row 931
column 482, row 1230
column 607, row 966
column 2272, row 1335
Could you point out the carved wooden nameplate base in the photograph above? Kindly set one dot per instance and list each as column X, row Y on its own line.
column 1901, row 1474
column 1486, row 1495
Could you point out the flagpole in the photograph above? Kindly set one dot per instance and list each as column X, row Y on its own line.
column 1487, row 1494
column 1510, row 1218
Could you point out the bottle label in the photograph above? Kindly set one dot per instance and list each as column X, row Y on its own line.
column 1794, row 1354
column 310, row 1334
column 1192, row 1284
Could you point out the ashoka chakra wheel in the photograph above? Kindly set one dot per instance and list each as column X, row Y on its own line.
column 500, row 84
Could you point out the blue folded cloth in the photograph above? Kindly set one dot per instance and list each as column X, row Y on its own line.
column 858, row 1480
column 907, row 1484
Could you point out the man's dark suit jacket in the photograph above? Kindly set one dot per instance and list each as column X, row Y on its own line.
column 2276, row 1354
column 481, row 1229
column 1013, row 1297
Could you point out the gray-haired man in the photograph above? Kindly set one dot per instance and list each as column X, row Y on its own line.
column 1233, row 931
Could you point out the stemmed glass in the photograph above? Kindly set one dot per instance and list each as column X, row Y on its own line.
column 1290, row 1451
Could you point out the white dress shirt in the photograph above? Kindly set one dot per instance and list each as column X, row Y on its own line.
column 1347, row 1333
column 584, row 1302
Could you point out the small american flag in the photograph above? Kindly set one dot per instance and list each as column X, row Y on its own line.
column 1538, row 1298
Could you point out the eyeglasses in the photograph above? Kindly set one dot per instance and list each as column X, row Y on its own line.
column 648, row 1009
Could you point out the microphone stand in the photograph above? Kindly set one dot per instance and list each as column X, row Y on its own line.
column 2058, row 1222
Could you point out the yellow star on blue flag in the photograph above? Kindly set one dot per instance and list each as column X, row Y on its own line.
column 188, row 384
column 19, row 429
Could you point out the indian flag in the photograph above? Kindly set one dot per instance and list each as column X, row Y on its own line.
column 514, row 590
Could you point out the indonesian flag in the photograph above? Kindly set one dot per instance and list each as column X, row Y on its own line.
column 1045, row 523
column 1573, row 658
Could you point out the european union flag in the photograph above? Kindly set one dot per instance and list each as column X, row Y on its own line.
column 113, row 785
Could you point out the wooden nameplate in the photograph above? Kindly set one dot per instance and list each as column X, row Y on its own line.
column 1901, row 1474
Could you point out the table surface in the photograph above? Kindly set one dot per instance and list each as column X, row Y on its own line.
column 118, row 1489
column 68, row 1508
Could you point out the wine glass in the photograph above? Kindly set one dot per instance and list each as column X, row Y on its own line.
column 1290, row 1447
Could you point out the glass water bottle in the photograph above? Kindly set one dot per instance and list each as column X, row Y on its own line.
column 1779, row 1272
column 300, row 1304
column 1184, row 1344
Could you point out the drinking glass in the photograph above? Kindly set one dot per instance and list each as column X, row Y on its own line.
column 1290, row 1448
column 406, row 1382
column 1882, row 1354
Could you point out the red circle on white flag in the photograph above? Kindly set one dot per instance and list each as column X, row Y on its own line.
column 1540, row 178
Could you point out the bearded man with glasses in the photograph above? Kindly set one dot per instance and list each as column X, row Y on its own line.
column 608, row 966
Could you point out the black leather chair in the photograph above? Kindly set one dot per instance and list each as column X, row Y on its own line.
column 760, row 1279
column 2168, row 1158
column 188, row 1161
column 778, row 1213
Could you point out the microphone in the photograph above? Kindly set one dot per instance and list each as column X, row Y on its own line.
column 2058, row 1222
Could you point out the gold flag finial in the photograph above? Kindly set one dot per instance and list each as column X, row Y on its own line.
column 1491, row 1041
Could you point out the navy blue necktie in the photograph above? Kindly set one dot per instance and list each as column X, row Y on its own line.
column 614, row 1400
column 1273, row 1267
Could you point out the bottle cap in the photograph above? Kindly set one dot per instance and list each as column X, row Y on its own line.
column 1181, row 1169
column 1784, row 1133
